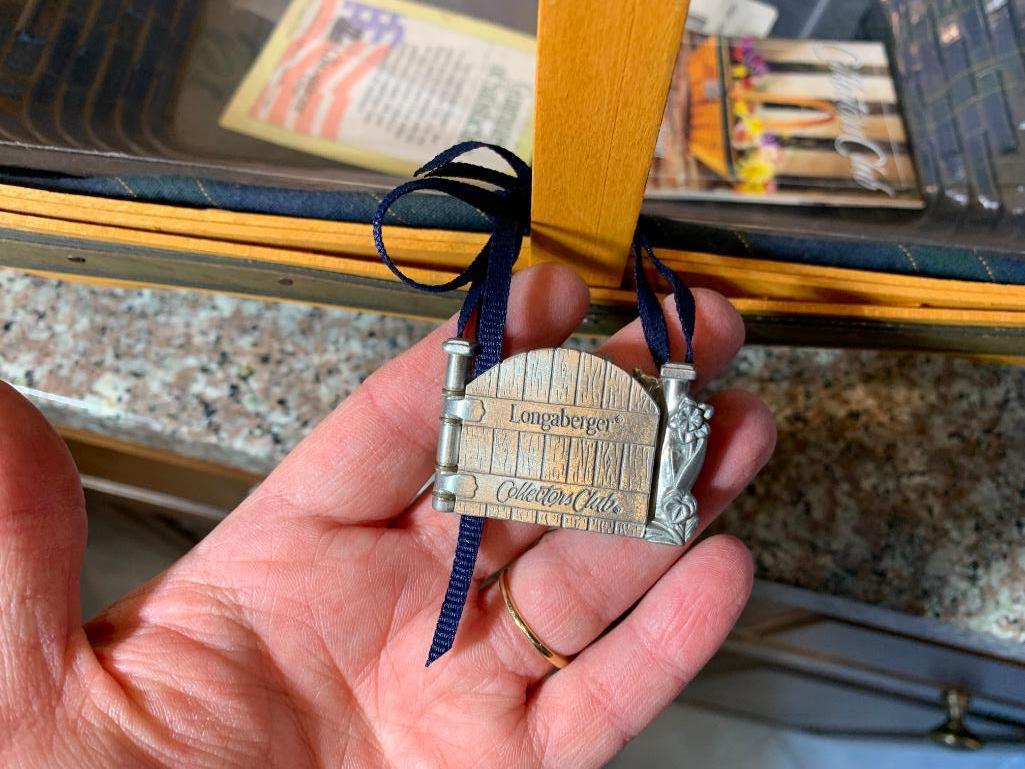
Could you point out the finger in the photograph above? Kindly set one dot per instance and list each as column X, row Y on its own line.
column 587, row 712
column 374, row 452
column 719, row 333
column 42, row 538
column 572, row 585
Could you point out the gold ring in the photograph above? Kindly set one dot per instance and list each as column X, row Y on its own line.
column 557, row 660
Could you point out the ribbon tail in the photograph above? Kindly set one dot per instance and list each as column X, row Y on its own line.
column 471, row 528
column 489, row 276
column 493, row 305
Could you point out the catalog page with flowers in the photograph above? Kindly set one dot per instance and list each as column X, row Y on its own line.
column 794, row 122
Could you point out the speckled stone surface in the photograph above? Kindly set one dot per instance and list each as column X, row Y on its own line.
column 233, row 381
column 899, row 479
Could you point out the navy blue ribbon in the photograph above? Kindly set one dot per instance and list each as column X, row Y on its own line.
column 506, row 201
column 489, row 276
column 653, row 322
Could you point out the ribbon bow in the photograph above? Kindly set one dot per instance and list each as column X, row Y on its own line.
column 489, row 276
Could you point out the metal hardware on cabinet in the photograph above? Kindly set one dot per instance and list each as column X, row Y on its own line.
column 953, row 733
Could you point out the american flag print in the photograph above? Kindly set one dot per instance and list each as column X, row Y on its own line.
column 385, row 84
column 339, row 43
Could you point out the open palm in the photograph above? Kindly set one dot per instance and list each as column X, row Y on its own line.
column 295, row 634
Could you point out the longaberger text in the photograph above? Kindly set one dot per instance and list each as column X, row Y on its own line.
column 547, row 419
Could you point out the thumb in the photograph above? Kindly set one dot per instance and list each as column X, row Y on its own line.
column 42, row 536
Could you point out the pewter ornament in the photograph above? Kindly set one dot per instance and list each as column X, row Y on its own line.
column 564, row 438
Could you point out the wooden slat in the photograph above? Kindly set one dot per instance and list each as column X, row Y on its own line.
column 582, row 455
column 608, row 463
column 465, row 507
column 488, row 383
column 531, row 454
column 498, row 511
column 827, row 164
column 641, row 401
column 888, row 127
column 556, row 465
column 637, row 462
column 564, row 379
column 591, row 379
column 741, row 277
column 133, row 465
column 538, row 375
column 873, row 88
column 757, row 288
column 602, row 80
column 906, row 314
column 521, row 515
column 511, row 377
column 105, row 234
column 617, row 393
column 928, row 316
column 503, row 452
column 847, row 53
column 167, row 227
column 406, row 245
column 475, row 448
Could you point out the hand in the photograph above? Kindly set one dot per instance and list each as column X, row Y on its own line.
column 295, row 634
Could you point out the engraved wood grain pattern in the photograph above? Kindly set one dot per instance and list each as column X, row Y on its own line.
column 538, row 375
column 564, row 377
column 511, row 377
column 488, row 382
column 521, row 514
column 556, row 461
column 468, row 507
column 582, row 454
column 475, row 449
column 636, row 460
column 593, row 475
column 530, row 456
column 498, row 511
column 591, row 380
column 504, row 447
column 641, row 401
column 607, row 463
column 617, row 393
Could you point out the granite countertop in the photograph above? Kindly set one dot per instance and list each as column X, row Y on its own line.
column 898, row 480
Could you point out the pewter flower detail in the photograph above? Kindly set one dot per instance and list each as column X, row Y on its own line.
column 677, row 506
column 676, row 516
column 690, row 421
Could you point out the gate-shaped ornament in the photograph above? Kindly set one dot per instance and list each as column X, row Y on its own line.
column 565, row 438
